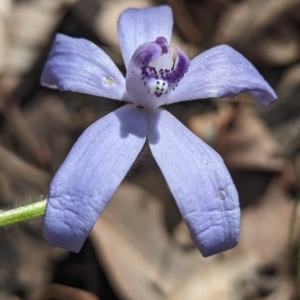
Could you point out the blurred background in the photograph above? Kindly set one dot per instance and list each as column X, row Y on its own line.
column 140, row 249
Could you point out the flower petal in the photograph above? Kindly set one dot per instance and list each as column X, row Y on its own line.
column 222, row 72
column 199, row 182
column 140, row 26
column 90, row 175
column 78, row 65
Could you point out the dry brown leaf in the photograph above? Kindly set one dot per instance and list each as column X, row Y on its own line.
column 264, row 241
column 279, row 45
column 210, row 126
column 250, row 17
column 141, row 260
column 49, row 119
column 266, row 226
column 20, row 180
column 28, row 29
column 249, row 144
column 248, row 25
column 24, row 261
column 215, row 281
column 283, row 116
column 287, row 107
column 25, row 135
column 185, row 22
column 5, row 6
column 130, row 241
column 62, row 292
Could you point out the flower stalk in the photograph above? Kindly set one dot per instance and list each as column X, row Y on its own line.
column 23, row 213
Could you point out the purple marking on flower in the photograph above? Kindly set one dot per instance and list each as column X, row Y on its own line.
column 153, row 64
column 100, row 159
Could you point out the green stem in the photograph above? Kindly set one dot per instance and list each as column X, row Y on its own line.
column 23, row 213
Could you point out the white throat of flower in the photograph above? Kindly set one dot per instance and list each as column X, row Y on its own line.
column 152, row 73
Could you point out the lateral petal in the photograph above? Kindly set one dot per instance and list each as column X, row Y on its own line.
column 91, row 173
column 199, row 182
column 222, row 72
column 140, row 26
column 78, row 65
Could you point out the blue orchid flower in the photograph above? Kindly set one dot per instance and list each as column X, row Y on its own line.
column 100, row 159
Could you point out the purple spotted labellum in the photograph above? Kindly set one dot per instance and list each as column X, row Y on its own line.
column 100, row 159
